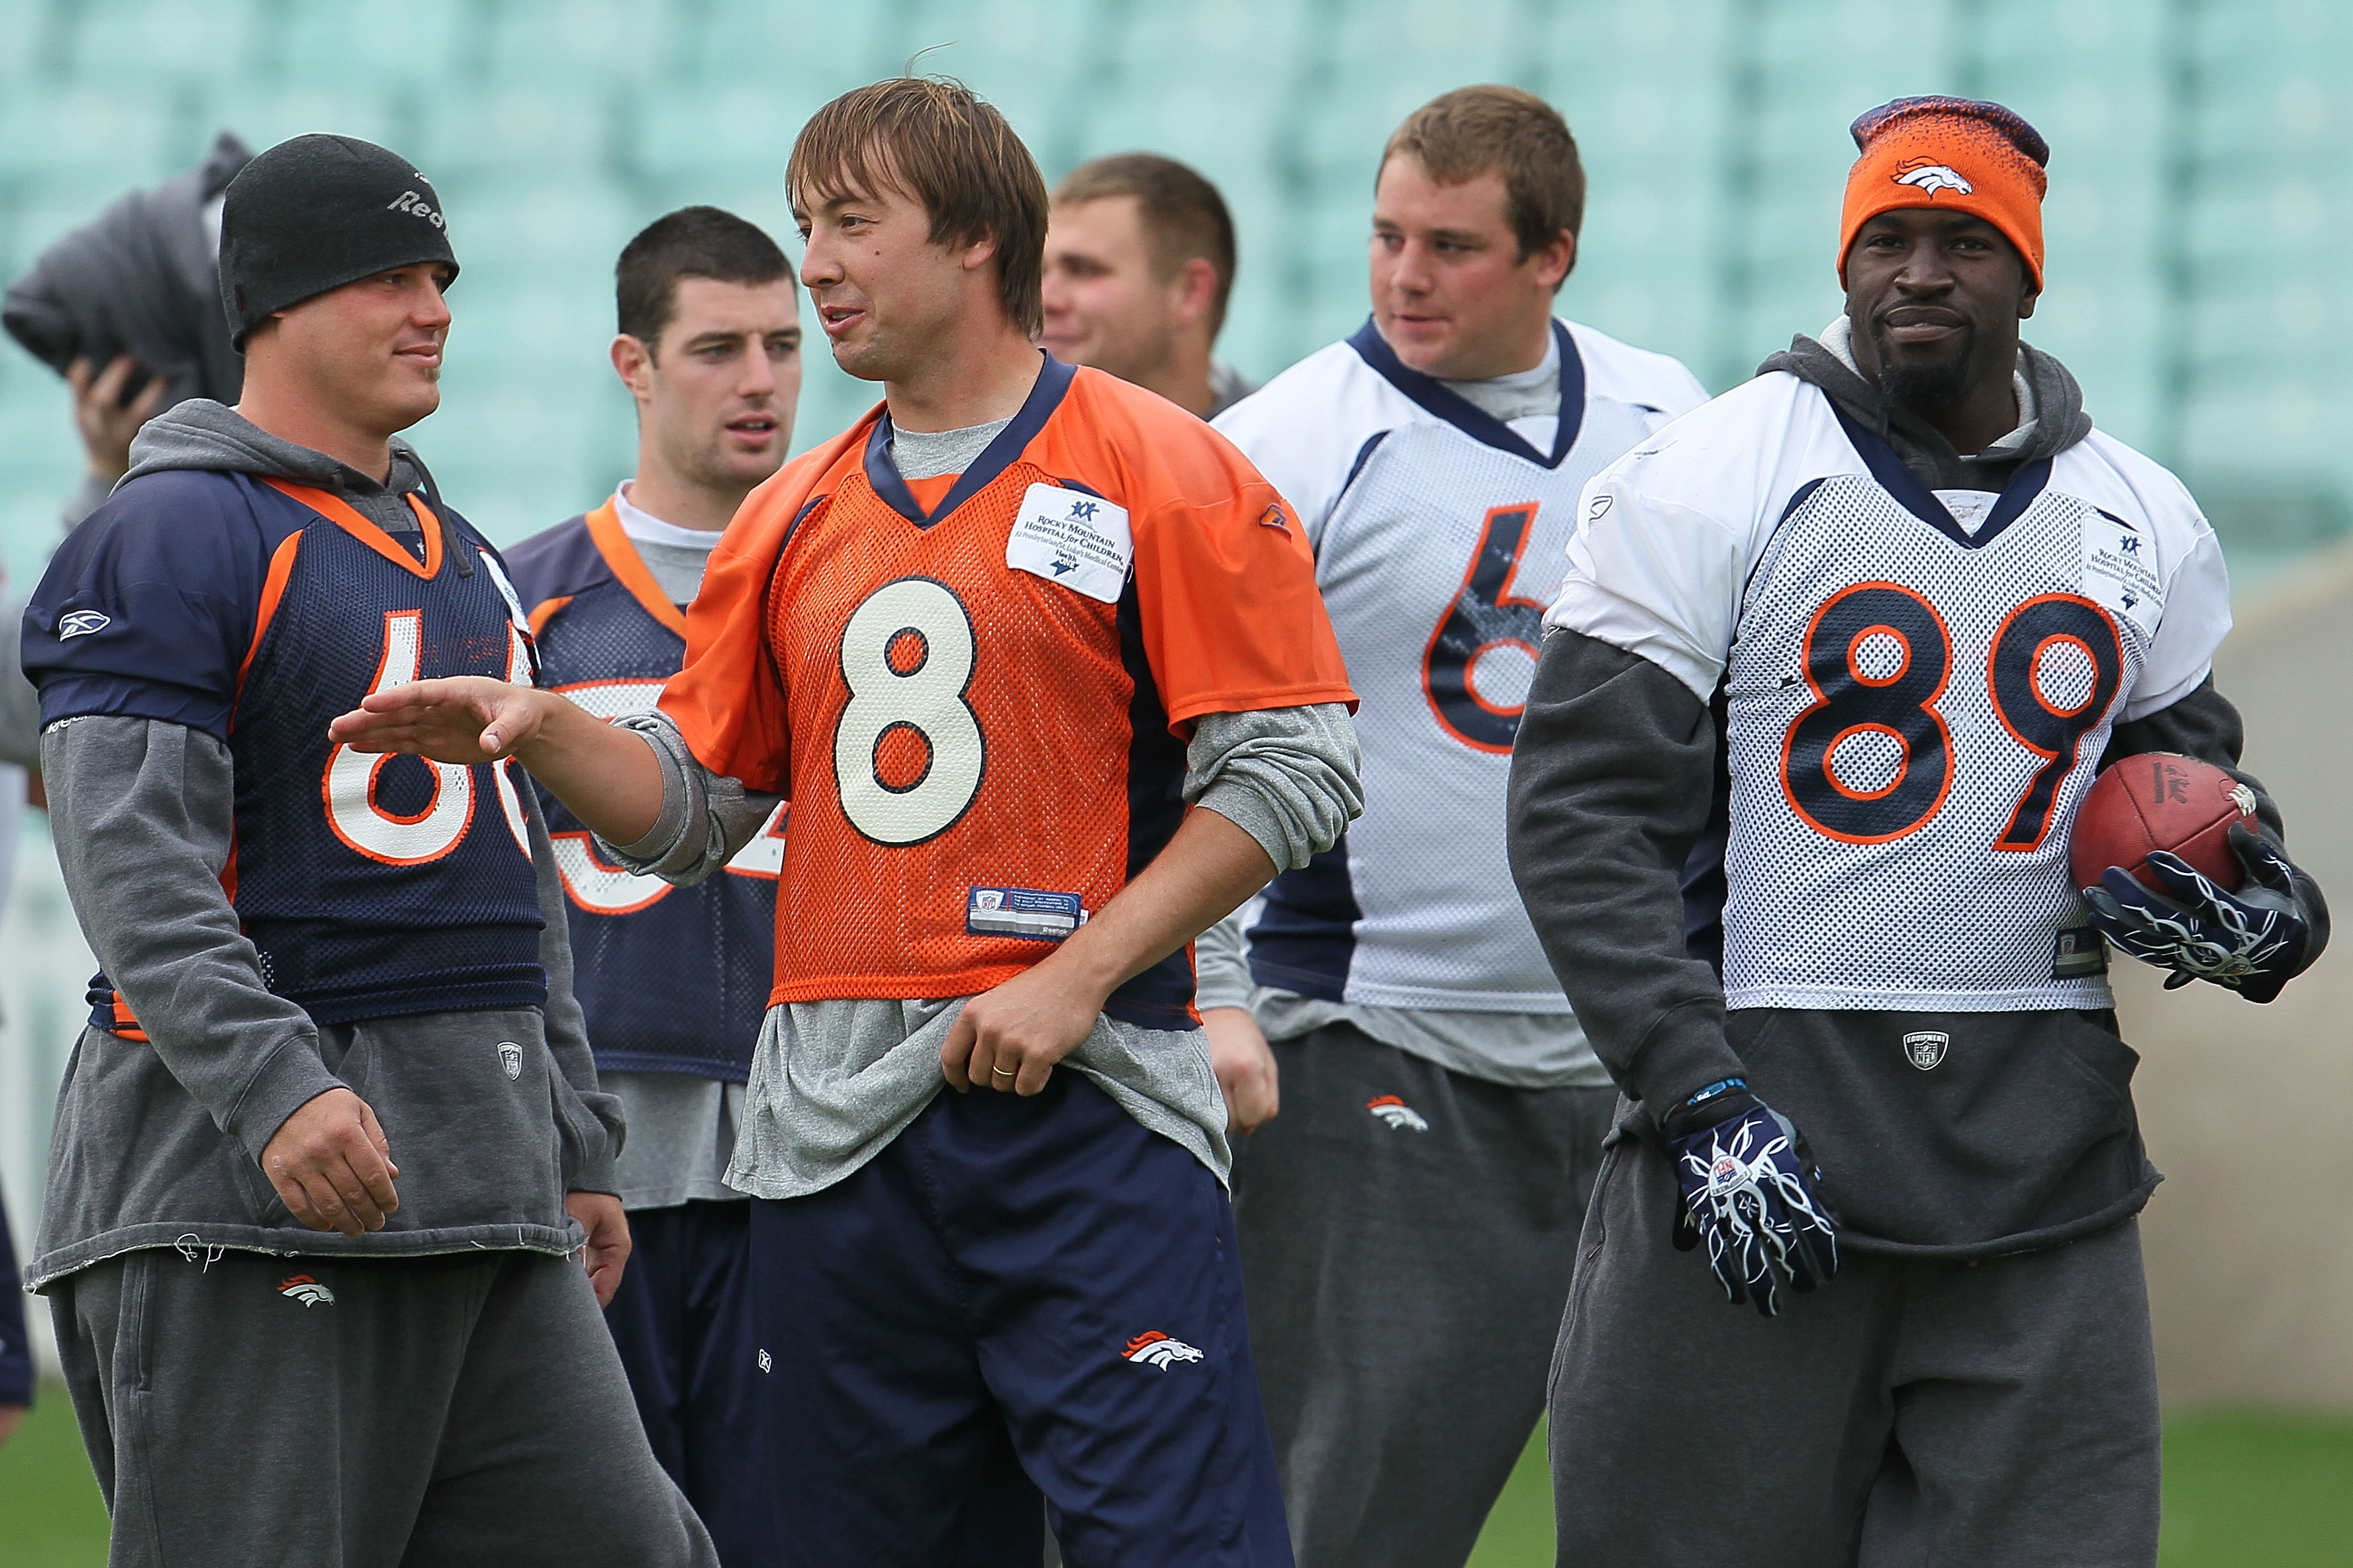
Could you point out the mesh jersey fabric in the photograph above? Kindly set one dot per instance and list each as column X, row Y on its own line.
column 673, row 979
column 1914, row 707
column 968, row 745
column 1914, row 717
column 1436, row 556
column 258, row 610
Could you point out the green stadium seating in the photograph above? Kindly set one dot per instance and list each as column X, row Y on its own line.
column 1714, row 131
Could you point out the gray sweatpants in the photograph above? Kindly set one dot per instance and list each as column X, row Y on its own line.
column 363, row 1412
column 2001, row 1413
column 1407, row 1237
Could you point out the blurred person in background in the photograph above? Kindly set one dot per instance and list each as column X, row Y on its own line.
column 127, row 308
column 674, row 980
column 1139, row 264
column 1410, row 1222
column 378, row 1296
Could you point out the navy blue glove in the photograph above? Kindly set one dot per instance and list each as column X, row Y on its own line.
column 2253, row 941
column 1749, row 1192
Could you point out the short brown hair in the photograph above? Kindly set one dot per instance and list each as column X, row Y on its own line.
column 1460, row 135
column 1183, row 214
column 693, row 242
column 937, row 140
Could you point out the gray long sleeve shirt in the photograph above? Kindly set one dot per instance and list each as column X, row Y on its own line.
column 833, row 1082
column 158, row 1142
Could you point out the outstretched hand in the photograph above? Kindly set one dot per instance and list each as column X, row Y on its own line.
column 464, row 719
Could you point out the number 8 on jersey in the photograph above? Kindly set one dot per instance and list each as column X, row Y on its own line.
column 907, row 751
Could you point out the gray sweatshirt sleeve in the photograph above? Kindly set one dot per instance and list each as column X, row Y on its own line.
column 142, row 812
column 566, row 1025
column 1612, row 779
column 20, row 704
column 705, row 816
column 1286, row 776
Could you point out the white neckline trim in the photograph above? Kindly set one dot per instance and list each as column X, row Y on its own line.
column 646, row 529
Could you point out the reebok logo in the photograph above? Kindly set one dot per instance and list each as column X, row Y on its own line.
column 81, row 623
column 413, row 204
column 1152, row 1348
column 1402, row 1117
column 303, row 1288
column 1934, row 177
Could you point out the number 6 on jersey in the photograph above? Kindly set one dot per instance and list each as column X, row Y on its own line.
column 907, row 750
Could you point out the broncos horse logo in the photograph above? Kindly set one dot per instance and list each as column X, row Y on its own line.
column 1400, row 1117
column 1152, row 1348
column 1934, row 177
column 302, row 1288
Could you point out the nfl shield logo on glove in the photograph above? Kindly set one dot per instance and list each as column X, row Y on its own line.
column 1923, row 1048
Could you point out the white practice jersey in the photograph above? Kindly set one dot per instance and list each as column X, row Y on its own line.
column 1440, row 533
column 1919, row 686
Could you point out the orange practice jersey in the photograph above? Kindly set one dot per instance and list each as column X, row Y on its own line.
column 975, row 689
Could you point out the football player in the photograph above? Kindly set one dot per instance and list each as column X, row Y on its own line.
column 1862, row 631
column 1139, row 264
column 325, row 1154
column 674, row 980
column 991, row 643
column 1410, row 1222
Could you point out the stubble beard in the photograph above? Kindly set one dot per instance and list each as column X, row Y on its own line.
column 1925, row 388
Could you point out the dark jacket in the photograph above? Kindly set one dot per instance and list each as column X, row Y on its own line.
column 493, row 1114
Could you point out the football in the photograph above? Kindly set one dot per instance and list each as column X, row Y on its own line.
column 2160, row 800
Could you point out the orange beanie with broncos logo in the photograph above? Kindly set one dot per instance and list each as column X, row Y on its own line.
column 1953, row 152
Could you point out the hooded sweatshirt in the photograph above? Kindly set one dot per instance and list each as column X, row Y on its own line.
column 493, row 1113
column 1618, row 802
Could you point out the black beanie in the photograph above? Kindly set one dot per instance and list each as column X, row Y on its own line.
column 317, row 213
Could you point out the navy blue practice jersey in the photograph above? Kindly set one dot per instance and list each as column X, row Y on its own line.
column 256, row 611
column 673, row 979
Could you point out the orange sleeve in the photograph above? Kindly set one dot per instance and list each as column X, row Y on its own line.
column 728, row 698
column 1232, row 620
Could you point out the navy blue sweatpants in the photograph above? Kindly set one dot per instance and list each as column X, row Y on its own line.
column 683, row 1322
column 1017, row 1297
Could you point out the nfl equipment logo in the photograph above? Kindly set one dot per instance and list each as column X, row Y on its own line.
column 510, row 1057
column 1923, row 1048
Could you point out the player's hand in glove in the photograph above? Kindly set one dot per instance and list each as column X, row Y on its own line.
column 1748, row 1193
column 2253, row 941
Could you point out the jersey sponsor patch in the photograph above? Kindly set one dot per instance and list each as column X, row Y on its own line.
column 1022, row 912
column 2117, row 572
column 2077, row 952
column 1080, row 541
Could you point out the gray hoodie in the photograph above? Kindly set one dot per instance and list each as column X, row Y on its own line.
column 492, row 1116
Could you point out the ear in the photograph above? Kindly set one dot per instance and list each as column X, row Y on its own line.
column 1555, row 260
column 1194, row 291
column 634, row 365
column 978, row 254
column 2027, row 295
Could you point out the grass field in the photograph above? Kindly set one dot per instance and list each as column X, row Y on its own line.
column 2243, row 1489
